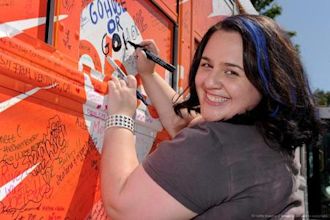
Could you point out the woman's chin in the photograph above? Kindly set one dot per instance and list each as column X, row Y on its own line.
column 208, row 117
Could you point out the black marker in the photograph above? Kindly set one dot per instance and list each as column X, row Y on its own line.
column 154, row 57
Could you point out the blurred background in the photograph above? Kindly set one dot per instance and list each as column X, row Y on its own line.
column 307, row 23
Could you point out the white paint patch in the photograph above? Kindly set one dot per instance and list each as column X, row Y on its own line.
column 12, row 28
column 13, row 101
column 12, row 184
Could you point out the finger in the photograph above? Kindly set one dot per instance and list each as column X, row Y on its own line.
column 131, row 82
column 145, row 43
column 112, row 85
column 112, row 89
column 122, row 83
column 150, row 45
column 140, row 53
column 116, row 82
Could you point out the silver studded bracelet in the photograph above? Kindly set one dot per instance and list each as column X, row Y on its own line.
column 119, row 120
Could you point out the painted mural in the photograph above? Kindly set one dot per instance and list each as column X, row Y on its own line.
column 52, row 97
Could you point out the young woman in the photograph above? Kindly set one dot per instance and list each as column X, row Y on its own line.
column 231, row 156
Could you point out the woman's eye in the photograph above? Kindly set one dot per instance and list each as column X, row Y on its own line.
column 206, row 65
column 231, row 73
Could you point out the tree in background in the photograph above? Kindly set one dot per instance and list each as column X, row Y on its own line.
column 272, row 10
column 322, row 98
column 267, row 8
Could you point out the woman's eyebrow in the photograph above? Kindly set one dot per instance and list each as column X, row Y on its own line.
column 227, row 64
column 205, row 58
column 234, row 65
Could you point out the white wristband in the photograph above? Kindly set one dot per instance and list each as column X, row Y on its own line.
column 119, row 120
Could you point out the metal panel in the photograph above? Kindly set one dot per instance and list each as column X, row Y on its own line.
column 52, row 100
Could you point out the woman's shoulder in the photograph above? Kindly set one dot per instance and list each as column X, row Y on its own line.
column 225, row 129
column 240, row 141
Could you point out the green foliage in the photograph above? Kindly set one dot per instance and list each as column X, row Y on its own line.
column 265, row 7
column 261, row 4
column 272, row 10
column 291, row 33
column 322, row 98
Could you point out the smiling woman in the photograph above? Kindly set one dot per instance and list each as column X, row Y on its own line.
column 223, row 88
column 234, row 137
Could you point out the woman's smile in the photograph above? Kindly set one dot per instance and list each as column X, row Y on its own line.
column 215, row 99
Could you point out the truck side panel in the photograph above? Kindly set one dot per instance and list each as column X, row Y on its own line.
column 53, row 97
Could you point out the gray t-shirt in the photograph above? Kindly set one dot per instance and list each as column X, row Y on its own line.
column 224, row 171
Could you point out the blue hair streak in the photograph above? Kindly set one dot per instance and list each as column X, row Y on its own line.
column 258, row 38
column 274, row 113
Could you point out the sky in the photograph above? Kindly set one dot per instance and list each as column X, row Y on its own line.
column 311, row 20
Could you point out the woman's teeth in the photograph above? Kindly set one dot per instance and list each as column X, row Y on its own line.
column 216, row 98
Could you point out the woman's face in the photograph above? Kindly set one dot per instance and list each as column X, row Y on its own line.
column 222, row 86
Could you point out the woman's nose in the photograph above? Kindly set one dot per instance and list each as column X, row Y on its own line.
column 214, row 79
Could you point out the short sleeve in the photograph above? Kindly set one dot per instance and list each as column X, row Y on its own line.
column 191, row 168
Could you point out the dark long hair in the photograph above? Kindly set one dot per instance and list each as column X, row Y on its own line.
column 286, row 114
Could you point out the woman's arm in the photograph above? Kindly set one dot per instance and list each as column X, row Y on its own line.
column 160, row 93
column 162, row 96
column 127, row 190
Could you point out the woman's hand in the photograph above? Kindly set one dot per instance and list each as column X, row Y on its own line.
column 122, row 96
column 144, row 65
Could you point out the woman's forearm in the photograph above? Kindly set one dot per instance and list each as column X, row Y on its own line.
column 162, row 97
column 118, row 161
